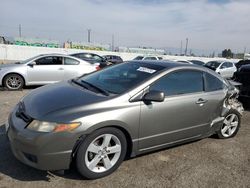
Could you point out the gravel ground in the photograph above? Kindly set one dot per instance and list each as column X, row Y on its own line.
column 206, row 163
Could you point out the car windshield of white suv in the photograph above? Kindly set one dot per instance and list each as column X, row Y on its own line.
column 213, row 64
column 120, row 78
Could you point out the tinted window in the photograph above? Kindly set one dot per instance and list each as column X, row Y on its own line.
column 70, row 61
column 138, row 58
column 223, row 66
column 97, row 58
column 212, row 83
column 226, row 65
column 122, row 77
column 213, row 64
column 117, row 58
column 180, row 82
column 150, row 58
column 52, row 60
column 89, row 57
column 229, row 64
column 197, row 62
column 108, row 57
column 183, row 62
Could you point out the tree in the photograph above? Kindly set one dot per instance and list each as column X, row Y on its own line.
column 227, row 53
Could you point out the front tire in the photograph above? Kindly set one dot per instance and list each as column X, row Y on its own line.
column 231, row 125
column 101, row 153
column 13, row 82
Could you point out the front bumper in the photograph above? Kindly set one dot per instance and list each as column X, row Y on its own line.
column 44, row 151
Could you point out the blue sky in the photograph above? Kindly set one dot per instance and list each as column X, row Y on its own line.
column 209, row 24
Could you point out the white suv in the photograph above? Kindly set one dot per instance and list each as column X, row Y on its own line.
column 224, row 68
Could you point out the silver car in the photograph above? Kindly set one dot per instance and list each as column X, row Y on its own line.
column 125, row 110
column 43, row 69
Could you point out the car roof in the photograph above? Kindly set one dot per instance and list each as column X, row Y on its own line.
column 83, row 53
column 51, row 54
column 61, row 55
column 57, row 54
column 164, row 63
column 244, row 67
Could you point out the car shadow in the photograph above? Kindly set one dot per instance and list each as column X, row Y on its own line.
column 25, row 87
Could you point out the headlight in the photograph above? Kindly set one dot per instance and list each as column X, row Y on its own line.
column 42, row 126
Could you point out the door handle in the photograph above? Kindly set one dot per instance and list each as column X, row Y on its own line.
column 201, row 101
column 60, row 69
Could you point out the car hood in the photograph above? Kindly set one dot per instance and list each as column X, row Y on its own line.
column 51, row 98
column 10, row 65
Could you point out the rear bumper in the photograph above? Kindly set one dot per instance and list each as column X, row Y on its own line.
column 44, row 151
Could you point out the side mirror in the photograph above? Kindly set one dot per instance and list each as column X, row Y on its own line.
column 156, row 96
column 31, row 64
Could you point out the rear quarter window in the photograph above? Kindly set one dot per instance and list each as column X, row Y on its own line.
column 213, row 83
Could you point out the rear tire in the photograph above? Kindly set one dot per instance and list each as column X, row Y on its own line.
column 230, row 125
column 13, row 82
column 101, row 153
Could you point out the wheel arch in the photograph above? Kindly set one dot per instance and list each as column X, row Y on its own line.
column 24, row 80
column 130, row 145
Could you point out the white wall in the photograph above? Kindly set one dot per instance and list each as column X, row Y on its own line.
column 18, row 53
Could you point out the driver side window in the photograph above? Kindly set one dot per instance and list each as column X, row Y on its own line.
column 51, row 60
column 180, row 82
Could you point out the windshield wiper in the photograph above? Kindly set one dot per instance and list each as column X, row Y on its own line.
column 96, row 88
column 79, row 83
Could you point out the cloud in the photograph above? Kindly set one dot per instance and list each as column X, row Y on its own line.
column 208, row 24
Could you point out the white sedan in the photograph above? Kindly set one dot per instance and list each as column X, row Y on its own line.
column 43, row 69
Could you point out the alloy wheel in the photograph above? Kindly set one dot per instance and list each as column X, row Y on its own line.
column 103, row 153
column 14, row 82
column 230, row 125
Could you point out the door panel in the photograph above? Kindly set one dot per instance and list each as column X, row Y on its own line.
column 46, row 70
column 45, row 74
column 174, row 119
column 186, row 112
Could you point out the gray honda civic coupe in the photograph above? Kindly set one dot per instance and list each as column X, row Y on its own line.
column 123, row 111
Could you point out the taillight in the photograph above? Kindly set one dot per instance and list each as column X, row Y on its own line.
column 98, row 68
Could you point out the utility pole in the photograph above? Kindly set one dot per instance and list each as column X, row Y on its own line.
column 181, row 48
column 113, row 42
column 186, row 46
column 245, row 49
column 89, row 32
column 20, row 30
